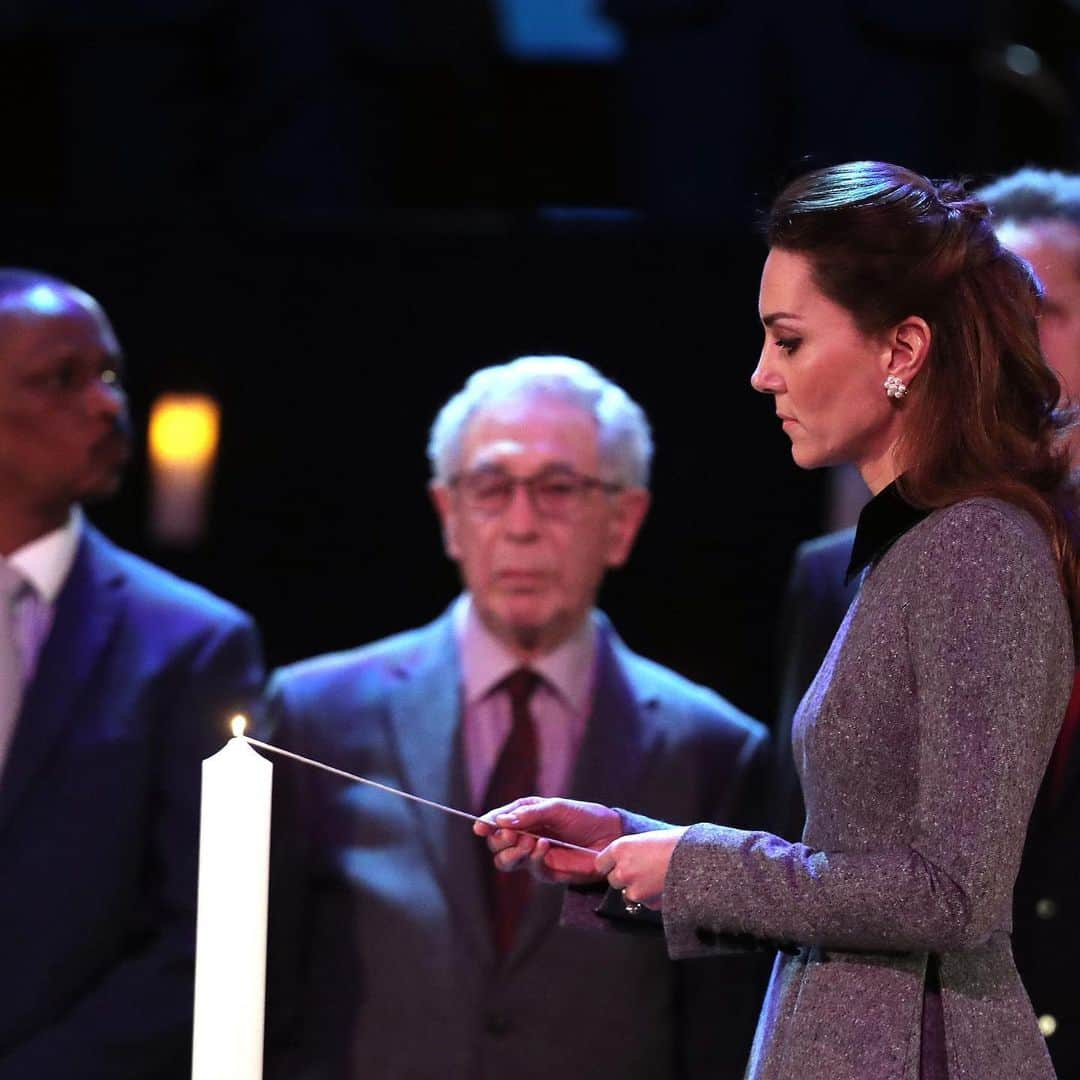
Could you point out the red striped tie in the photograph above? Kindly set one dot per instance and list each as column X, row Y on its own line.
column 514, row 775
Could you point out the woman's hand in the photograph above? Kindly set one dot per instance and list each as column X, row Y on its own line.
column 637, row 865
column 586, row 825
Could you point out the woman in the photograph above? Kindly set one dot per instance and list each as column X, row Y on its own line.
column 900, row 336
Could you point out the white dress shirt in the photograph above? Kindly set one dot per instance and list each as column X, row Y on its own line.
column 45, row 563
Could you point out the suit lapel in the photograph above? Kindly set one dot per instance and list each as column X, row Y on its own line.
column 618, row 737
column 621, row 728
column 425, row 729
column 86, row 612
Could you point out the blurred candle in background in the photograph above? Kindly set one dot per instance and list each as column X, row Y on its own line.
column 230, row 949
column 184, row 432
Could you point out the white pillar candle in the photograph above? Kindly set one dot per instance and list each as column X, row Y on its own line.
column 230, row 952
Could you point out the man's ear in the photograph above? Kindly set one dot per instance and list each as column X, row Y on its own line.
column 442, row 498
column 631, row 507
column 909, row 345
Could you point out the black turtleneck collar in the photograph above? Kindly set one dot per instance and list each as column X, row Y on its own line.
column 884, row 519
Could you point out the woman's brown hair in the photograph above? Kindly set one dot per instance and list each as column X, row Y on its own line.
column 982, row 415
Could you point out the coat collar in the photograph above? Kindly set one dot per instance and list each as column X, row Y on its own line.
column 884, row 519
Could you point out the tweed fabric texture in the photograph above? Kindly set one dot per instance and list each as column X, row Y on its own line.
column 920, row 746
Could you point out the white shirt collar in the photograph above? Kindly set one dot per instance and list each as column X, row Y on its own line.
column 486, row 661
column 46, row 561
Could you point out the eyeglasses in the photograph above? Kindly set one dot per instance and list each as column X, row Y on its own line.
column 553, row 493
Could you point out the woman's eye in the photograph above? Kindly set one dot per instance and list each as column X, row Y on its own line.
column 788, row 345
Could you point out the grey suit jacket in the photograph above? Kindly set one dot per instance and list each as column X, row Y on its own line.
column 920, row 744
column 382, row 964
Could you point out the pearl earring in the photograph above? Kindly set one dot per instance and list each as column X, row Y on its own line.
column 895, row 388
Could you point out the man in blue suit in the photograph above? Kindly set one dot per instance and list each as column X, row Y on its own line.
column 394, row 951
column 116, row 679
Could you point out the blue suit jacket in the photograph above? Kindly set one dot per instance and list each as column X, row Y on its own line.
column 99, row 819
column 382, row 964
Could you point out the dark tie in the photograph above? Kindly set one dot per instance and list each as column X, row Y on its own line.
column 514, row 775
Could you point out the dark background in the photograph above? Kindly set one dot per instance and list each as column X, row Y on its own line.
column 328, row 217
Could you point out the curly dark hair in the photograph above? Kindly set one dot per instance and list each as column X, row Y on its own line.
column 983, row 417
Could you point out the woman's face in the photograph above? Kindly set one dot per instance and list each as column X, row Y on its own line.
column 826, row 375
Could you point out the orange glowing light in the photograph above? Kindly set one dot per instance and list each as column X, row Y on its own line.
column 184, row 429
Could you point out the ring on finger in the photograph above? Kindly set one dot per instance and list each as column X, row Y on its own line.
column 631, row 907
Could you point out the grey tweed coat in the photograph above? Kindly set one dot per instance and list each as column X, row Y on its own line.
column 920, row 746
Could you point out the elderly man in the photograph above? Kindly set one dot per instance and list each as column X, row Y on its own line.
column 116, row 679
column 412, row 957
column 1037, row 214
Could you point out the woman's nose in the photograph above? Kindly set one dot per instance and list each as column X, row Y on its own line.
column 764, row 379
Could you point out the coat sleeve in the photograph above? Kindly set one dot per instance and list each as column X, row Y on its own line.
column 282, row 721
column 136, row 1022
column 990, row 653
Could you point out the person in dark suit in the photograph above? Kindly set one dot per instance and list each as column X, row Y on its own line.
column 410, row 959
column 1037, row 214
column 116, row 679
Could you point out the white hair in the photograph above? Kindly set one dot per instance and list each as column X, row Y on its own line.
column 624, row 438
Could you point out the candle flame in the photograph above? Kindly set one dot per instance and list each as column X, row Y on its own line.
column 238, row 723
